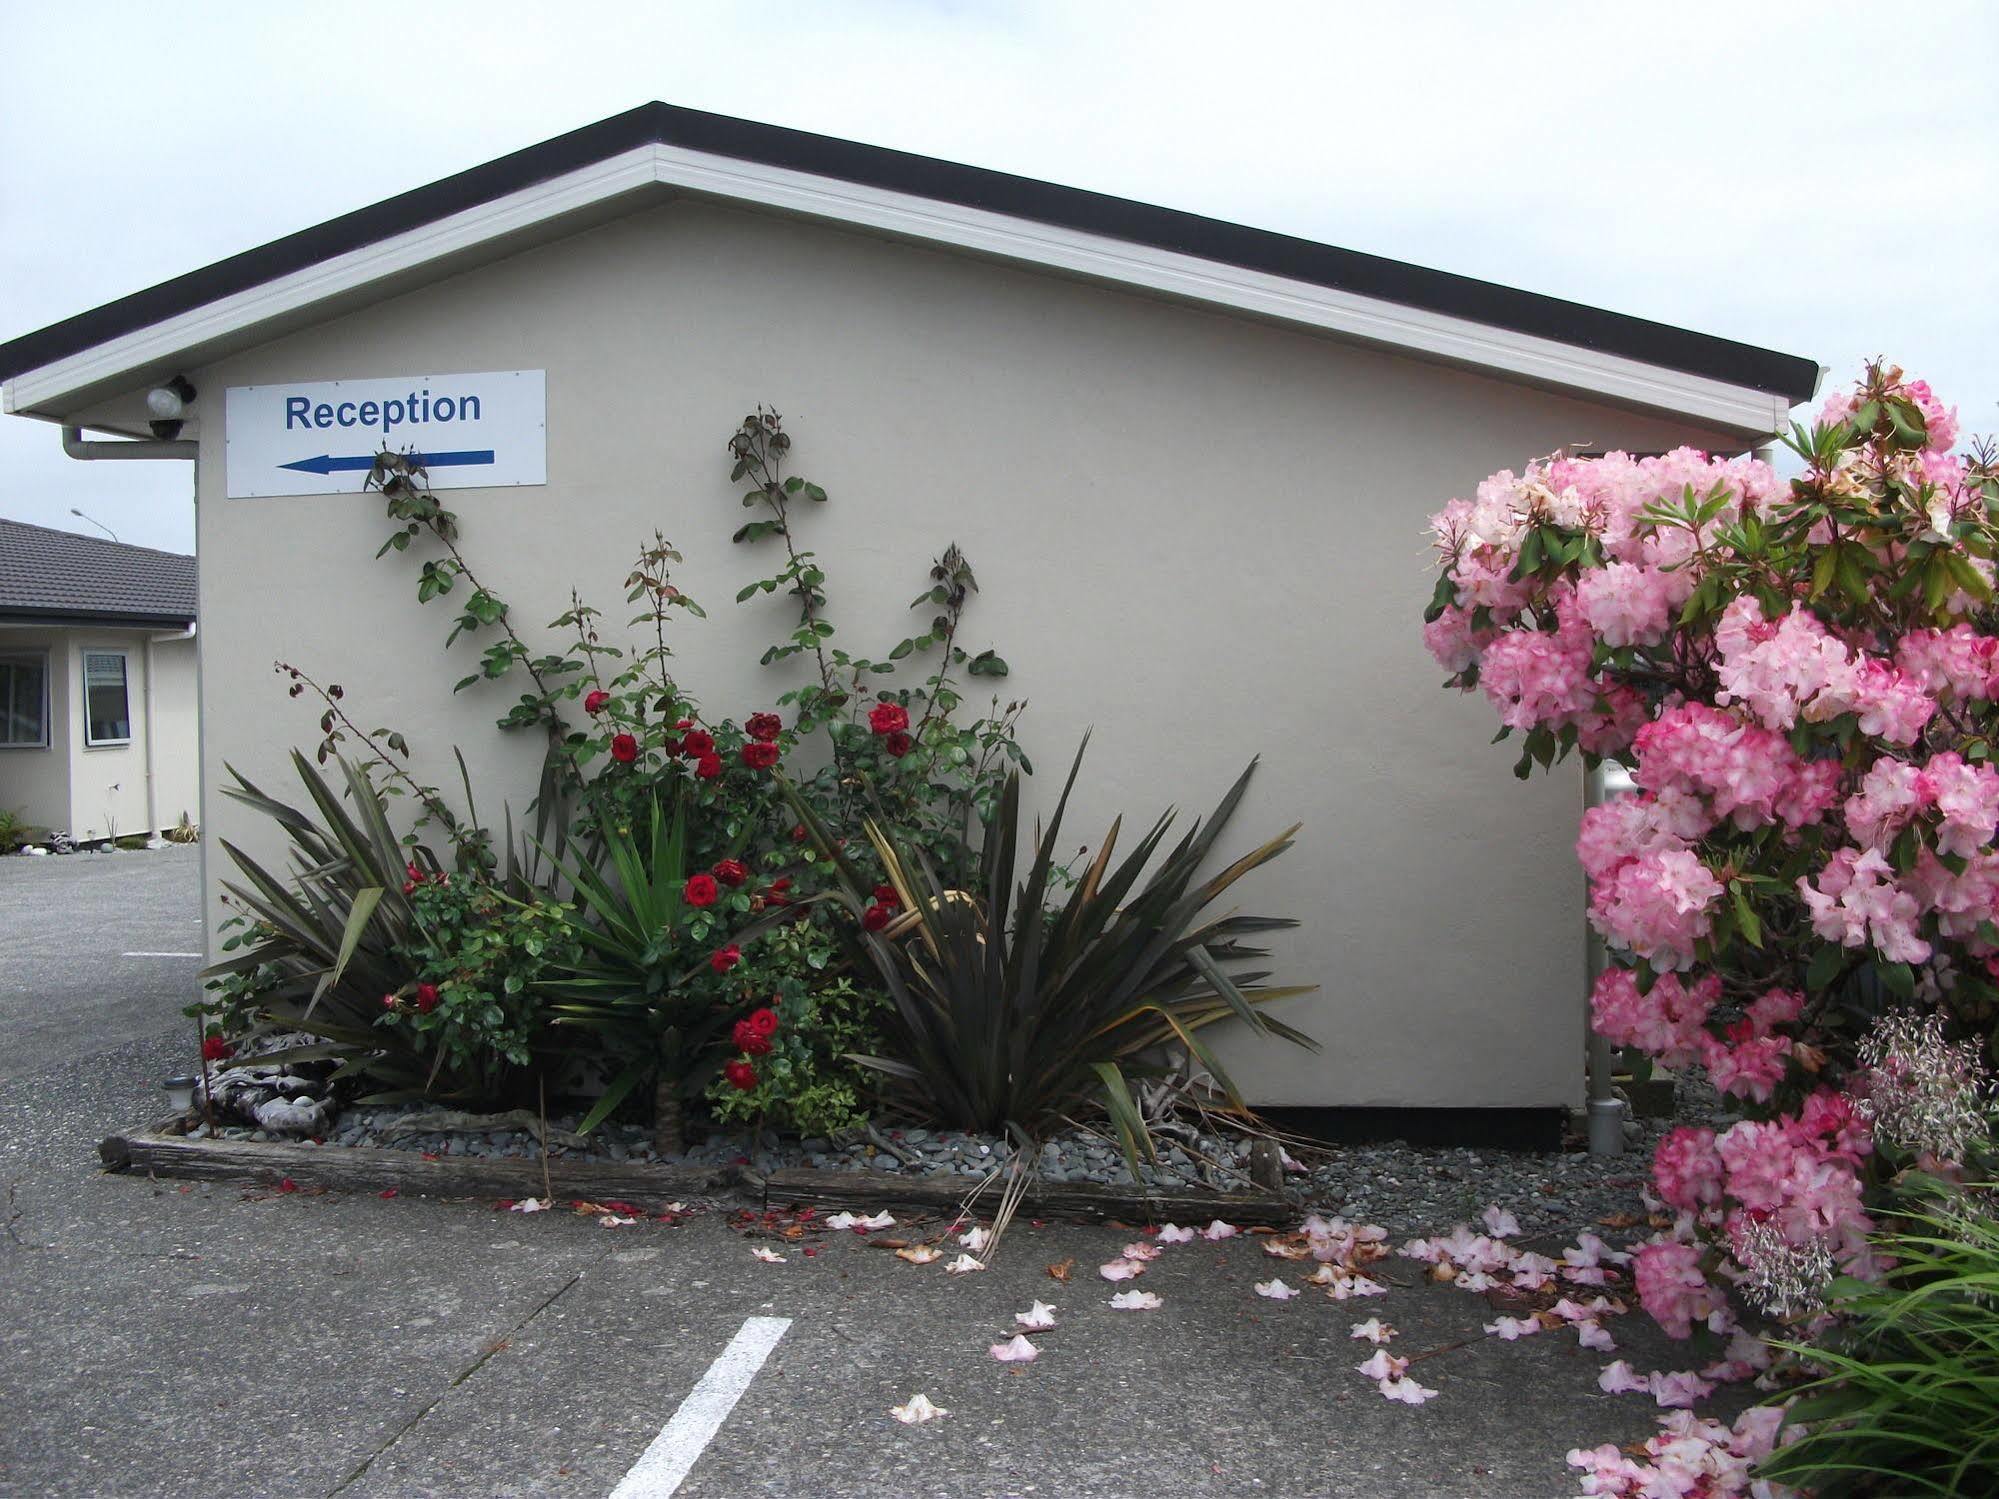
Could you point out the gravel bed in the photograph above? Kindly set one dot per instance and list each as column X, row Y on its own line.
column 1405, row 1188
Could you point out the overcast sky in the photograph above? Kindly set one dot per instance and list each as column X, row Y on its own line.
column 1817, row 178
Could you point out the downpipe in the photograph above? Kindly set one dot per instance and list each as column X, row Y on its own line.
column 1605, row 1114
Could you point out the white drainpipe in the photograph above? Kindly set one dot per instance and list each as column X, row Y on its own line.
column 1606, row 1111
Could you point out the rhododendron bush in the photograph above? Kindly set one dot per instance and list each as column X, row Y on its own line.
column 1801, row 677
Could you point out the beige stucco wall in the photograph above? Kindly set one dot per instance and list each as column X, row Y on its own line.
column 99, row 791
column 1201, row 535
column 35, row 782
column 108, row 782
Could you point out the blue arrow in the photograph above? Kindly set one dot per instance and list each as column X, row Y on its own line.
column 327, row 465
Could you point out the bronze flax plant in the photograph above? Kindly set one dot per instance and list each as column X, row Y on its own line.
column 1015, row 1010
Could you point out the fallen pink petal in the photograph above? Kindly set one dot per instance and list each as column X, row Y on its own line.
column 1016, row 1350
column 1135, row 1301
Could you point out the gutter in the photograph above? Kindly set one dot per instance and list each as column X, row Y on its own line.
column 73, row 443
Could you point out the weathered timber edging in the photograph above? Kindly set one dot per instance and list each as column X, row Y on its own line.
column 361, row 1168
column 365, row 1168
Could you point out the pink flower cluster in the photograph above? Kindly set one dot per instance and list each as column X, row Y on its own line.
column 1941, row 420
column 1738, row 772
column 1659, row 905
column 1665, row 1022
column 1540, row 676
column 1959, row 661
column 1798, row 1176
column 1794, row 669
column 1858, row 902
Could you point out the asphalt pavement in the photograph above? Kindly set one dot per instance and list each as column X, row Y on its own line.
column 166, row 1338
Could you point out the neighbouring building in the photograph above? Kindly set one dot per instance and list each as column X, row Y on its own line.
column 1191, row 462
column 99, row 719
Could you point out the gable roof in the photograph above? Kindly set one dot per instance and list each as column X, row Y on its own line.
column 662, row 147
column 59, row 575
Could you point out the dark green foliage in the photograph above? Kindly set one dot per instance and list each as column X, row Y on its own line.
column 1013, row 1010
column 1909, row 1401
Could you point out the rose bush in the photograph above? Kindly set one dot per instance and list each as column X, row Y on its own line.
column 1802, row 678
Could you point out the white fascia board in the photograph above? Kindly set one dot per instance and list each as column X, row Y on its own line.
column 1391, row 325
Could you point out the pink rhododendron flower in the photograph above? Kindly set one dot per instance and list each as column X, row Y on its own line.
column 1665, row 1021
column 1451, row 640
column 1857, row 902
column 1537, row 676
column 1959, row 662
column 1747, row 1065
column 1687, row 1169
column 1626, row 604
column 1659, row 906
column 1672, row 1287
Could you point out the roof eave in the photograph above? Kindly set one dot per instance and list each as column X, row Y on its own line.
column 658, row 148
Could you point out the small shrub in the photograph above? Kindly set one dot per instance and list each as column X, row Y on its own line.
column 1908, row 1402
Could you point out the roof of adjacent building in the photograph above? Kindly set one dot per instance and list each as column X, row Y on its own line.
column 800, row 158
column 59, row 575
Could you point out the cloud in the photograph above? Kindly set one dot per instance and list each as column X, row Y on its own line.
column 1765, row 173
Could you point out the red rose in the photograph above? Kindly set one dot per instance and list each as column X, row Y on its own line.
column 708, row 767
column 215, row 1049
column 877, row 917
column 426, row 998
column 594, row 702
column 700, row 890
column 763, row 1021
column 898, row 745
column 696, row 743
column 780, row 885
column 751, row 1040
column 888, row 718
column 764, row 726
column 741, row 1075
column 409, row 887
column 624, row 748
column 731, row 872
column 684, row 723
column 887, row 896
column 759, row 756
column 798, row 833
column 726, row 958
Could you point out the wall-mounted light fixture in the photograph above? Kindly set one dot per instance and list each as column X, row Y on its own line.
column 168, row 403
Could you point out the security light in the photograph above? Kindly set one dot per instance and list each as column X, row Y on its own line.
column 168, row 401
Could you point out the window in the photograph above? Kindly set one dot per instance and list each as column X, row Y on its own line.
column 24, row 701
column 107, row 709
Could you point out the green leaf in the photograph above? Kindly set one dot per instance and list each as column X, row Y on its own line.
column 1827, row 964
column 1752, row 929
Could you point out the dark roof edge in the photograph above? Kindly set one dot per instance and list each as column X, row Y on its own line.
column 1261, row 250
column 64, row 618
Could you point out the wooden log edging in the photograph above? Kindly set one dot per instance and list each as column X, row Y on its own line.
column 163, row 1151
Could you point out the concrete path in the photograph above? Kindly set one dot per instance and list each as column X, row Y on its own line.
column 160, row 1338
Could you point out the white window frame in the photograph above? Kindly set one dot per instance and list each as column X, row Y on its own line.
column 31, row 653
column 125, row 657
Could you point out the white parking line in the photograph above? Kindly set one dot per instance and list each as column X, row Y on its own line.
column 663, row 1465
column 159, row 955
